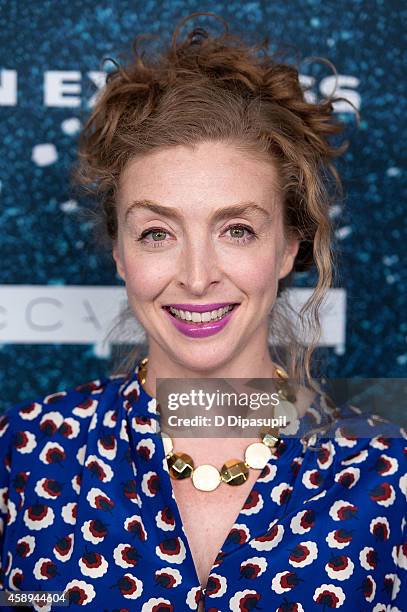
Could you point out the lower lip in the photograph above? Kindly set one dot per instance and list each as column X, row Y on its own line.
column 200, row 330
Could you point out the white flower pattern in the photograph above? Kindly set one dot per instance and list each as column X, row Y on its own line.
column 87, row 507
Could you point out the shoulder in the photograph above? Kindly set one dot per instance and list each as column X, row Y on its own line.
column 355, row 435
column 368, row 453
column 23, row 425
column 353, row 428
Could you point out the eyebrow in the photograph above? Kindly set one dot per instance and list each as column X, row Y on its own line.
column 220, row 214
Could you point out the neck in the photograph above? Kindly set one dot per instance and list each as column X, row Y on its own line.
column 259, row 365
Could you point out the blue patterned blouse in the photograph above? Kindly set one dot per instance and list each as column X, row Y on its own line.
column 87, row 507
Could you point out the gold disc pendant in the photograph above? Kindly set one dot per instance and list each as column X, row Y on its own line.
column 180, row 466
column 234, row 472
column 270, row 440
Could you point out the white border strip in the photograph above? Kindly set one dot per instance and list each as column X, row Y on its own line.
column 69, row 314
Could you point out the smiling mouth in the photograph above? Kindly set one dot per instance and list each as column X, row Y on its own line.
column 200, row 317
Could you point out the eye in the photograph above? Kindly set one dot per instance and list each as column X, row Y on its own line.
column 158, row 236
column 241, row 233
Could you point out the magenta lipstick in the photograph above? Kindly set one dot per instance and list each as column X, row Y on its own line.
column 205, row 328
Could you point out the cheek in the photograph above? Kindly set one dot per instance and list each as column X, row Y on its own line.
column 257, row 274
column 146, row 277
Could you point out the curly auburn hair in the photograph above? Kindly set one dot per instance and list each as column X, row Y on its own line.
column 218, row 88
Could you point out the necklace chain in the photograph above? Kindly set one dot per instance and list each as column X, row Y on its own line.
column 234, row 472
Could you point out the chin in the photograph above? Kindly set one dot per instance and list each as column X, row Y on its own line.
column 203, row 360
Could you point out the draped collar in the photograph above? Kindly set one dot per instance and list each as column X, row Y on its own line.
column 137, row 402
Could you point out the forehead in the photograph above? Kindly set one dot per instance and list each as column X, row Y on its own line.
column 206, row 175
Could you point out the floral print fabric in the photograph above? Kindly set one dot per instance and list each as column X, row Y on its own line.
column 87, row 507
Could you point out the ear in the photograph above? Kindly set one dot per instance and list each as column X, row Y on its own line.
column 118, row 261
column 290, row 253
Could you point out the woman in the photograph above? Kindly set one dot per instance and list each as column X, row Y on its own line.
column 213, row 175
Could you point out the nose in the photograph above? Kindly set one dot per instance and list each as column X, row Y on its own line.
column 199, row 266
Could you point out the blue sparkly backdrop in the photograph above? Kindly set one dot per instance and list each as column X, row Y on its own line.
column 51, row 59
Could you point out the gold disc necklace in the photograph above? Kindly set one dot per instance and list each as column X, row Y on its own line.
column 233, row 472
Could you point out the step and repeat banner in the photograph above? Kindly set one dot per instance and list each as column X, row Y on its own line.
column 59, row 294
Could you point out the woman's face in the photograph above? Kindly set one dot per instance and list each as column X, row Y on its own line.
column 202, row 227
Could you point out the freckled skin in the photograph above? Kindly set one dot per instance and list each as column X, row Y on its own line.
column 201, row 261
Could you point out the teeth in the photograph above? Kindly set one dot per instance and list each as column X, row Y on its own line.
column 199, row 317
